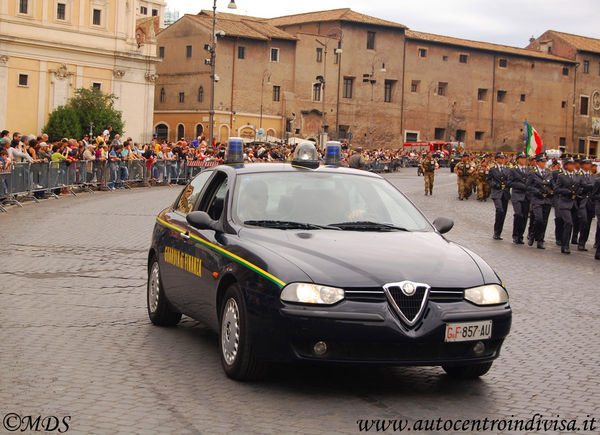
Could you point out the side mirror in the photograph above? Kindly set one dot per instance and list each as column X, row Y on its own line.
column 443, row 224
column 201, row 220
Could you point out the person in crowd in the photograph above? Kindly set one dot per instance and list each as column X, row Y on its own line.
column 566, row 186
column 499, row 180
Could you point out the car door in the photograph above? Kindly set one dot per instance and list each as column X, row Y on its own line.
column 202, row 294
column 178, row 256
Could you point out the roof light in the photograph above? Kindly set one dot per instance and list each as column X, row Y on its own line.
column 306, row 155
column 235, row 150
column 333, row 153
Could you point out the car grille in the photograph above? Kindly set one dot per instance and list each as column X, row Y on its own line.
column 409, row 306
column 374, row 294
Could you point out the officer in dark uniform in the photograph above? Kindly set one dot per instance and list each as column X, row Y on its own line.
column 520, row 198
column 585, row 204
column 596, row 198
column 539, row 188
column 500, row 185
column 566, row 186
column 575, row 233
column 558, row 227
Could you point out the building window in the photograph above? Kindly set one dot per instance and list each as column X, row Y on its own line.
column 97, row 86
column 241, row 52
column 370, row 40
column 24, row 80
column 549, row 49
column 502, row 63
column 319, row 54
column 445, row 58
column 463, row 58
column 188, row 51
column 388, row 90
column 481, row 94
column 439, row 133
column 562, row 141
column 274, row 54
column 479, row 135
column 316, row 95
column 163, row 95
column 411, row 136
column 460, row 135
column 276, row 93
column 200, row 94
column 414, row 85
column 563, row 104
column 155, row 12
column 586, row 66
column 182, row 97
column 180, row 131
column 565, row 71
column 97, row 17
column 61, row 11
column 161, row 52
column 442, row 88
column 501, row 96
column 336, row 57
column 23, row 6
column 422, row 52
column 583, row 107
column 143, row 10
column 348, row 85
column 522, row 97
column 581, row 146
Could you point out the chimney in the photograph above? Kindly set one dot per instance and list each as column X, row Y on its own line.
column 531, row 40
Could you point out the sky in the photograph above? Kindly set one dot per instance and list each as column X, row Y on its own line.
column 508, row 22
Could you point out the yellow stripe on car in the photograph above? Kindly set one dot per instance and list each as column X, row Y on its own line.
column 228, row 254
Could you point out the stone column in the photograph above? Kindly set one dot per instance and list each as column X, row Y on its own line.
column 3, row 89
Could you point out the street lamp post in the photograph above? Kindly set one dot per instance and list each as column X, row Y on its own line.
column 213, row 55
column 370, row 78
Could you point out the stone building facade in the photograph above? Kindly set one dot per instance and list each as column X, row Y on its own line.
column 49, row 48
column 374, row 82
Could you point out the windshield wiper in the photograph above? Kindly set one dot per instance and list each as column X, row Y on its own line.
column 367, row 226
column 289, row 225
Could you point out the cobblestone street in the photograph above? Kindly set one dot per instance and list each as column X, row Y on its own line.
column 76, row 339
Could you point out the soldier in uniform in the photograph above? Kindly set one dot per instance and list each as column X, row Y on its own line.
column 428, row 166
column 481, row 175
column 575, row 234
column 566, row 186
column 596, row 199
column 464, row 170
column 556, row 170
column 539, row 188
column 520, row 198
column 585, row 204
column 500, row 185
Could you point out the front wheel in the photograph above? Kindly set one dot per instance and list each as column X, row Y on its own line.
column 470, row 371
column 159, row 310
column 235, row 344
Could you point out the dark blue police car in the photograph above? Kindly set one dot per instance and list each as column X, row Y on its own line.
column 305, row 262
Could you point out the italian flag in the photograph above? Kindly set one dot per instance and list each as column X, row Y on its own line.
column 533, row 141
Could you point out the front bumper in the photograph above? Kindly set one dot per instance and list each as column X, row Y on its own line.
column 371, row 333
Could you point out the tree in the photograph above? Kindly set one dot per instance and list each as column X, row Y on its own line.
column 88, row 105
column 63, row 122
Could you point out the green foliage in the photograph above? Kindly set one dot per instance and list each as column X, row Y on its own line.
column 87, row 105
column 63, row 122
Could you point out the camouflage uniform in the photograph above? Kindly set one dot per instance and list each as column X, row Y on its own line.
column 464, row 171
column 428, row 165
column 483, row 187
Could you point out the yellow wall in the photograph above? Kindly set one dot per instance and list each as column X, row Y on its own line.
column 97, row 75
column 21, row 100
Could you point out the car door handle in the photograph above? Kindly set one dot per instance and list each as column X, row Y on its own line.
column 184, row 235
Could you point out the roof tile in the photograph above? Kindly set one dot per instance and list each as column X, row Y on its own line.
column 345, row 14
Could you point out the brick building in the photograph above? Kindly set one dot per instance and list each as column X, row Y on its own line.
column 374, row 81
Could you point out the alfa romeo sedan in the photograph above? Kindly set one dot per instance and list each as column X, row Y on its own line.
column 309, row 263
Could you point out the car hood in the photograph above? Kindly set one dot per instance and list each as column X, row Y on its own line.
column 371, row 259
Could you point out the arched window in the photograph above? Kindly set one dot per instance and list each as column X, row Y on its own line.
column 180, row 131
column 199, row 130
column 200, row 94
column 162, row 130
column 163, row 95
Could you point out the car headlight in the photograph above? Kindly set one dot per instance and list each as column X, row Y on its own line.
column 490, row 294
column 312, row 294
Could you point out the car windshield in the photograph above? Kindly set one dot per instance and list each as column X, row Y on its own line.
column 309, row 200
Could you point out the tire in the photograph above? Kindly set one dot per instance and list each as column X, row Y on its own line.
column 160, row 311
column 235, row 345
column 470, row 371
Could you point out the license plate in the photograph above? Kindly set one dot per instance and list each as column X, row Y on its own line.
column 468, row 331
